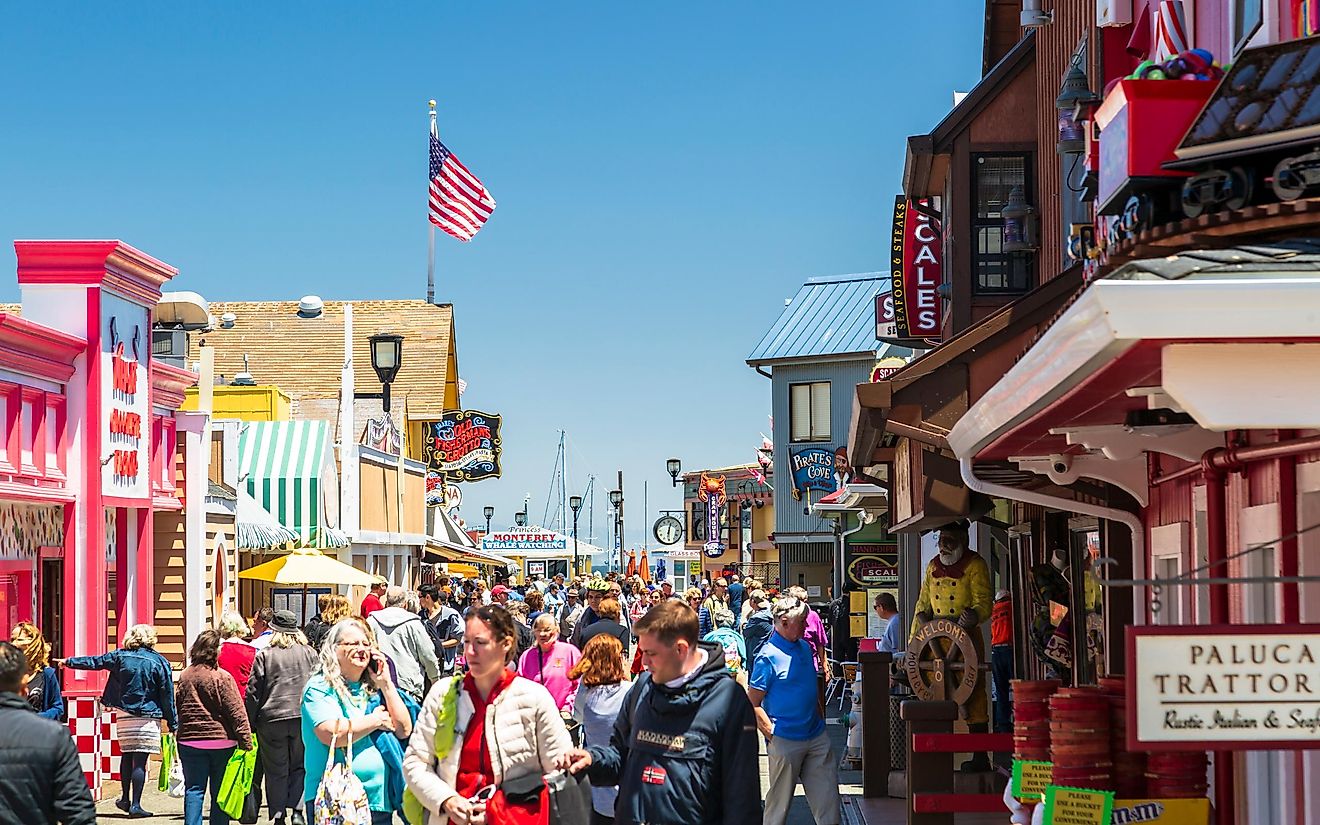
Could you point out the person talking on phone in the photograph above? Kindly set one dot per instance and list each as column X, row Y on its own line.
column 335, row 703
column 484, row 742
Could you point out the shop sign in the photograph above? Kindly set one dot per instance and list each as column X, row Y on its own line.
column 813, row 469
column 524, row 538
column 1077, row 806
column 879, row 570
column 710, row 489
column 886, row 367
column 125, row 412
column 463, row 445
column 1224, row 687
column 912, row 311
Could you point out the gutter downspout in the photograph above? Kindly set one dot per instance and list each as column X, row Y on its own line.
column 1131, row 521
column 843, row 550
column 763, row 372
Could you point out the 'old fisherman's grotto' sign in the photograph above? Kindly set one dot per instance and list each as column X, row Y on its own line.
column 1219, row 687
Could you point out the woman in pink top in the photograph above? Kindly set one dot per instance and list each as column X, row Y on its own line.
column 549, row 661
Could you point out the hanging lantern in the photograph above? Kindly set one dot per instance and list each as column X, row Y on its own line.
column 1017, row 222
column 1073, row 97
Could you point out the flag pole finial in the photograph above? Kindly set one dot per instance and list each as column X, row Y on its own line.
column 431, row 103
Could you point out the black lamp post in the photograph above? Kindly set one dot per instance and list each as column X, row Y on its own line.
column 616, row 501
column 674, row 466
column 520, row 518
column 489, row 513
column 575, row 504
column 386, row 358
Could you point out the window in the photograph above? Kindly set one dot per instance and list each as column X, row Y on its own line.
column 994, row 176
column 809, row 412
column 1246, row 20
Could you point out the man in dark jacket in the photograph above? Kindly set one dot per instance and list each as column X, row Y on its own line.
column 683, row 750
column 40, row 778
column 443, row 624
column 736, row 593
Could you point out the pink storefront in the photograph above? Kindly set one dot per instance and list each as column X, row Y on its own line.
column 88, row 456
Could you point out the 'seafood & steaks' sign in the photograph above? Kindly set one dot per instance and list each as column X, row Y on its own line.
column 1224, row 687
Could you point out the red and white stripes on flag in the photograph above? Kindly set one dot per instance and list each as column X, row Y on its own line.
column 460, row 204
column 1170, row 30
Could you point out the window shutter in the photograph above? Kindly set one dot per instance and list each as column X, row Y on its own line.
column 820, row 411
column 799, row 412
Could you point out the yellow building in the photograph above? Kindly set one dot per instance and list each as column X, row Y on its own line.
column 245, row 403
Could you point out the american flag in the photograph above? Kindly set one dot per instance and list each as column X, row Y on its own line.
column 460, row 203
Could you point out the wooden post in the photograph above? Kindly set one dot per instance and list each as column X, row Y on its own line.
column 876, row 758
column 928, row 773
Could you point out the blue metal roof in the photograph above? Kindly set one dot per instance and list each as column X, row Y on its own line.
column 829, row 316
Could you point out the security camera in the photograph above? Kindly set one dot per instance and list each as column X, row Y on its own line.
column 1060, row 463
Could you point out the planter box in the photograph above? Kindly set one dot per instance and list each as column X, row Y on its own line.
column 1141, row 124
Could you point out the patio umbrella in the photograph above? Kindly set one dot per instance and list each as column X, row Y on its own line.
column 307, row 565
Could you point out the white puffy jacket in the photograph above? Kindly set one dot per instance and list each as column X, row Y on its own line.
column 524, row 732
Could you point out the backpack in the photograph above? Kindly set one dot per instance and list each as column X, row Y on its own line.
column 341, row 799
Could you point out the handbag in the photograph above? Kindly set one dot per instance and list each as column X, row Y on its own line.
column 341, row 798
column 570, row 798
column 237, row 781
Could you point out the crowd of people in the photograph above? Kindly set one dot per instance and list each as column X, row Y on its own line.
column 455, row 702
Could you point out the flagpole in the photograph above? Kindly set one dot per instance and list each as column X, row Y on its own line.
column 430, row 245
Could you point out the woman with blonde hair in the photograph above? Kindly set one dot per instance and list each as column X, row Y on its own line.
column 351, row 698
column 236, row 654
column 43, row 690
column 484, row 741
column 602, row 686
column 279, row 675
column 141, row 687
column 337, row 607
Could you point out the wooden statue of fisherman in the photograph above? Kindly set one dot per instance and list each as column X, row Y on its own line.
column 957, row 587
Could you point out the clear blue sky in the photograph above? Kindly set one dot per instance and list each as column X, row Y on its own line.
column 666, row 175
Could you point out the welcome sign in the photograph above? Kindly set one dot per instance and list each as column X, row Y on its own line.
column 1223, row 687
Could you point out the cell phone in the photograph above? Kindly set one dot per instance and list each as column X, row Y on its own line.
column 483, row 795
column 374, row 666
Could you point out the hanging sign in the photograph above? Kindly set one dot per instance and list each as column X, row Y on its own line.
column 1224, row 687
column 524, row 538
column 463, row 445
column 911, row 313
column 126, row 414
column 710, row 489
column 886, row 367
column 813, row 469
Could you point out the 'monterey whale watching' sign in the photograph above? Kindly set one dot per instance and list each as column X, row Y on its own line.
column 1217, row 687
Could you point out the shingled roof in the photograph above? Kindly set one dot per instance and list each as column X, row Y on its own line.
column 304, row 356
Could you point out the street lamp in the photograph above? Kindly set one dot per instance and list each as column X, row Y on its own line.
column 520, row 518
column 616, row 501
column 489, row 513
column 674, row 466
column 575, row 504
column 386, row 358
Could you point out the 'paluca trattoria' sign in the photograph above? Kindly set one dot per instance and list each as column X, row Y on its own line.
column 1217, row 687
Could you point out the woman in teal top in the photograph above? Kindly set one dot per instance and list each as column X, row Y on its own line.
column 336, row 701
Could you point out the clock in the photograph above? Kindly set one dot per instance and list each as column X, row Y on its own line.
column 668, row 530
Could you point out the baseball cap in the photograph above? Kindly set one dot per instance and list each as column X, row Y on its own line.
column 498, row 589
column 598, row 585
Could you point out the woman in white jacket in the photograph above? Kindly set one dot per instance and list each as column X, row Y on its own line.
column 483, row 742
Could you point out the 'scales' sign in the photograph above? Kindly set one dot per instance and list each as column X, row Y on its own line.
column 813, row 469
column 912, row 311
column 463, row 446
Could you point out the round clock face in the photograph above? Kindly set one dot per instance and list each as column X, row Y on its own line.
column 668, row 530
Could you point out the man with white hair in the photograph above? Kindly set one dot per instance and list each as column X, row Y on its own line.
column 401, row 635
column 783, row 693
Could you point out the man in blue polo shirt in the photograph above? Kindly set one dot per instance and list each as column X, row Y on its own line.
column 783, row 694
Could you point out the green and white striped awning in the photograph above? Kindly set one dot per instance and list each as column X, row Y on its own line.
column 289, row 468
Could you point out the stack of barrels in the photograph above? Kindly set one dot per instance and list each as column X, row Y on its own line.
column 1080, row 739
column 1031, row 718
column 1129, row 766
column 1176, row 775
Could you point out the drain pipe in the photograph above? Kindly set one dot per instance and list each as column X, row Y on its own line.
column 842, row 557
column 1131, row 521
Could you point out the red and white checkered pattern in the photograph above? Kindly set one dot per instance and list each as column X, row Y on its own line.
column 109, row 746
column 86, row 727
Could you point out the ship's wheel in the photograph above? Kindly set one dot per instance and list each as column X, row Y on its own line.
column 942, row 662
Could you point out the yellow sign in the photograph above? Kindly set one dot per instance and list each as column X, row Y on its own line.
column 1074, row 806
column 1030, row 779
column 857, row 602
column 857, row 626
column 1162, row 811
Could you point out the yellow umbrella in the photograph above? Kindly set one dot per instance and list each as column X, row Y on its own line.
column 307, row 565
